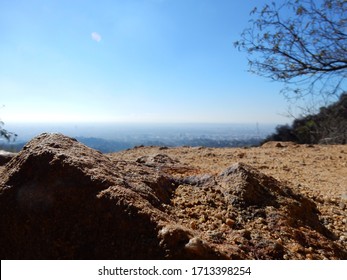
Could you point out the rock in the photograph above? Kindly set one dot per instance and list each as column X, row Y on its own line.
column 229, row 222
column 164, row 163
column 270, row 250
column 62, row 200
column 5, row 157
column 275, row 144
column 173, row 237
column 198, row 180
column 246, row 187
column 156, row 159
column 251, row 188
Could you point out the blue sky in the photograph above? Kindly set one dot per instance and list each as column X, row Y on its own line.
column 166, row 61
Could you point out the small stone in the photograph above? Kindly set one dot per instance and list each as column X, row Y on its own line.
column 219, row 216
column 224, row 227
column 202, row 219
column 195, row 245
column 230, row 222
column 296, row 248
column 241, row 155
column 193, row 224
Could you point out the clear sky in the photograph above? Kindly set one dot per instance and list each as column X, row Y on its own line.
column 130, row 61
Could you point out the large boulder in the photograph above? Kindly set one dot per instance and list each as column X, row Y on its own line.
column 62, row 200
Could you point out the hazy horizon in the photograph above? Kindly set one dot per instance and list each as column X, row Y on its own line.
column 117, row 131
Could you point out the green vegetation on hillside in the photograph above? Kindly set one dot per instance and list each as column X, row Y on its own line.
column 328, row 126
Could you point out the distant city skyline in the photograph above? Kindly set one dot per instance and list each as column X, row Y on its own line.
column 171, row 134
column 135, row 61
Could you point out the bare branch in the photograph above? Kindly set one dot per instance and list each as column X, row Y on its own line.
column 299, row 42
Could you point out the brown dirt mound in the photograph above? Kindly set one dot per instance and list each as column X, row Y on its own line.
column 62, row 200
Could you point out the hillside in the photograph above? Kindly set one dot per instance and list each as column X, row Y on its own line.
column 328, row 126
column 62, row 200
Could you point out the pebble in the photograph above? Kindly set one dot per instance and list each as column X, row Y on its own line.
column 195, row 245
column 193, row 224
column 344, row 196
column 296, row 248
column 219, row 216
column 229, row 222
column 224, row 227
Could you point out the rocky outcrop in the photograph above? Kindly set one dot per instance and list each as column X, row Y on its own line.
column 247, row 188
column 62, row 200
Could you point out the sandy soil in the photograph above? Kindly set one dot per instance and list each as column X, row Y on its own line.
column 319, row 170
column 316, row 171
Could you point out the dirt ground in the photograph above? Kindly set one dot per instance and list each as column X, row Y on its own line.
column 318, row 172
